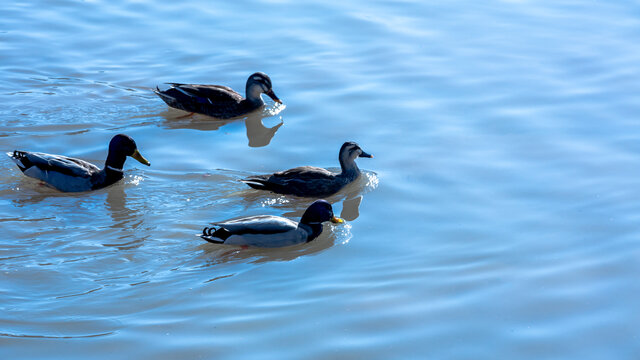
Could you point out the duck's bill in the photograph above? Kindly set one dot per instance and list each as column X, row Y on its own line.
column 136, row 155
column 273, row 97
column 336, row 220
column 366, row 155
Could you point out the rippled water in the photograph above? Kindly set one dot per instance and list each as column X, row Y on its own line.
column 499, row 218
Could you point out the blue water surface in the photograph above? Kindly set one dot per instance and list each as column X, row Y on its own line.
column 499, row 218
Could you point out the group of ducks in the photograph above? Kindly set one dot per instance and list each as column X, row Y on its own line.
column 74, row 175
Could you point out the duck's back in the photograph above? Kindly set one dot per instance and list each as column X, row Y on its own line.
column 207, row 93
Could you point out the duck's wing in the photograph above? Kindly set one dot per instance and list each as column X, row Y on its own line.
column 301, row 181
column 209, row 93
column 199, row 95
column 214, row 100
column 260, row 231
column 302, row 173
column 305, row 173
column 260, row 224
column 63, row 173
column 56, row 163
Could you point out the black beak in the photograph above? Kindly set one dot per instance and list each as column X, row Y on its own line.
column 365, row 155
column 273, row 96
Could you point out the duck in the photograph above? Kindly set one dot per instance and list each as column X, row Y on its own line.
column 219, row 101
column 68, row 174
column 310, row 181
column 269, row 231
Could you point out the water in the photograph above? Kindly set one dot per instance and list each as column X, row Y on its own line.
column 498, row 219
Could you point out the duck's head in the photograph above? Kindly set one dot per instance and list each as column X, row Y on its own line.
column 318, row 212
column 350, row 151
column 122, row 146
column 259, row 83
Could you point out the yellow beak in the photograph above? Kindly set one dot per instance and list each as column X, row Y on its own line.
column 136, row 155
column 336, row 220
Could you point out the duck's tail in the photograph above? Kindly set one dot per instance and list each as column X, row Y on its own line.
column 20, row 158
column 256, row 183
column 169, row 100
column 209, row 234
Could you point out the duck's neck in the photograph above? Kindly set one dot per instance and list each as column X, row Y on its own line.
column 115, row 161
column 253, row 95
column 349, row 168
column 112, row 175
column 113, row 167
column 314, row 229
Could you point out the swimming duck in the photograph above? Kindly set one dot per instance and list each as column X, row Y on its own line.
column 272, row 231
column 218, row 101
column 73, row 175
column 312, row 181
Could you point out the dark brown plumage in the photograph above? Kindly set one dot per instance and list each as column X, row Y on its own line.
column 216, row 100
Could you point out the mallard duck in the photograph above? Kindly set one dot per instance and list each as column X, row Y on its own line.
column 73, row 175
column 272, row 231
column 216, row 100
column 312, row 181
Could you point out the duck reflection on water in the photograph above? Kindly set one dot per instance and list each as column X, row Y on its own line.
column 127, row 221
column 258, row 133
